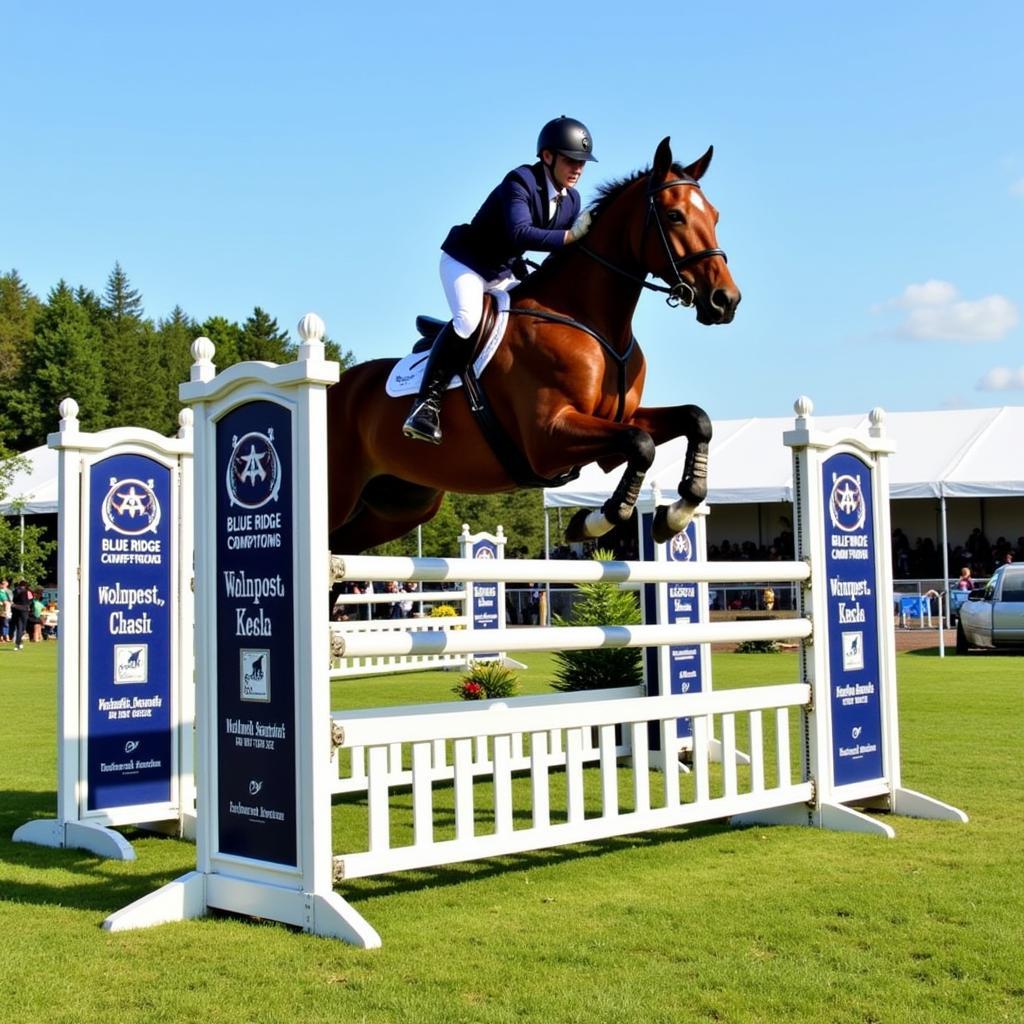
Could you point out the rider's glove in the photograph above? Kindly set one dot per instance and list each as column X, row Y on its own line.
column 580, row 227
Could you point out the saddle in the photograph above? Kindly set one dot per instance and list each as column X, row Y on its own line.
column 508, row 453
column 429, row 327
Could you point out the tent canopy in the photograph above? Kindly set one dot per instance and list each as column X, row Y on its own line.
column 33, row 492
column 955, row 453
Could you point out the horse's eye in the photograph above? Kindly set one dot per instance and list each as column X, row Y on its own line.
column 675, row 217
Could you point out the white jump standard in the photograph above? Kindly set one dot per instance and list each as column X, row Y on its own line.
column 266, row 732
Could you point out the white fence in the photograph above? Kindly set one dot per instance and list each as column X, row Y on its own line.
column 264, row 832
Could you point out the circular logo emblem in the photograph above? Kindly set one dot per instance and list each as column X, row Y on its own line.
column 483, row 552
column 131, row 507
column 846, row 506
column 254, row 470
column 680, row 548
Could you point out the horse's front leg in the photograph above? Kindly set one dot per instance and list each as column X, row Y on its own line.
column 663, row 424
column 586, row 439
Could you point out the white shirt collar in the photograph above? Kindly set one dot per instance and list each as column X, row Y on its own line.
column 553, row 189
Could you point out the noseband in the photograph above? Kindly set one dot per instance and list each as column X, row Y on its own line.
column 679, row 292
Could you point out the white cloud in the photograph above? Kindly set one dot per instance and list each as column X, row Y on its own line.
column 1002, row 378
column 935, row 312
column 1017, row 188
column 931, row 293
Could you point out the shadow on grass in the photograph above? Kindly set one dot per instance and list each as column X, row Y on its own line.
column 79, row 880
column 466, row 871
column 50, row 876
column 975, row 652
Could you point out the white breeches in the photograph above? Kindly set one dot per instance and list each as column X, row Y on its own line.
column 464, row 289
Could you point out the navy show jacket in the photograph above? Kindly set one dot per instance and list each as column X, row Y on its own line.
column 512, row 220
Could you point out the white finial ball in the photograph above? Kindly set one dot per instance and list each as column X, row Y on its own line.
column 311, row 328
column 68, row 409
column 803, row 406
column 186, row 417
column 203, row 350
column 877, row 416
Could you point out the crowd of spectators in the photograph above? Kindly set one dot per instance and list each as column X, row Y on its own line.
column 923, row 558
column 25, row 615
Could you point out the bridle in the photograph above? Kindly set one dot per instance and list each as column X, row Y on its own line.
column 679, row 292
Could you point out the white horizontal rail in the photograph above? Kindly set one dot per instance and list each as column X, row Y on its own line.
column 502, row 719
column 416, row 596
column 533, row 570
column 568, row 638
column 528, row 700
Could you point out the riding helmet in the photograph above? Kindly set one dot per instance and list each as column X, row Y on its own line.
column 567, row 136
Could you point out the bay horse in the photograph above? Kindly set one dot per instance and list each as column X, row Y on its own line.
column 565, row 384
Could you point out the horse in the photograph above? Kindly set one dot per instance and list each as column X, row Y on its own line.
column 564, row 386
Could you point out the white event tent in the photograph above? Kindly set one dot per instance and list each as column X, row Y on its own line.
column 951, row 453
column 33, row 492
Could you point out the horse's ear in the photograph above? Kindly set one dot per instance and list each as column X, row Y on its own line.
column 697, row 169
column 662, row 159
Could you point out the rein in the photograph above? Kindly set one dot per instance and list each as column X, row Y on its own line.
column 681, row 293
column 621, row 358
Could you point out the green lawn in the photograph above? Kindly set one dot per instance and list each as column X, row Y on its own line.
column 692, row 924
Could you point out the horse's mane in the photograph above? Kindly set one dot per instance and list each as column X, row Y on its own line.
column 607, row 193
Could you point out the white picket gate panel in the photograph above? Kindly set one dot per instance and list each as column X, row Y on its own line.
column 400, row 751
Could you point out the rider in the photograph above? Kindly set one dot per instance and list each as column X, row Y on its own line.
column 534, row 208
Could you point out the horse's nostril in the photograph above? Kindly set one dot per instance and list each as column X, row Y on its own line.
column 724, row 300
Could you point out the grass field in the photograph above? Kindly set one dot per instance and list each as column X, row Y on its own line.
column 705, row 923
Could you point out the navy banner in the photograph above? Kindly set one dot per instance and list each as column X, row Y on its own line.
column 129, row 557
column 255, row 728
column 684, row 606
column 851, row 577
column 484, row 599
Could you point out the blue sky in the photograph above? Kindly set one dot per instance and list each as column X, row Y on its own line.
column 869, row 169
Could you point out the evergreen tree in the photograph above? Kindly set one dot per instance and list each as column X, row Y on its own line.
column 174, row 339
column 226, row 336
column 63, row 360
column 262, row 339
column 337, row 354
column 136, row 376
column 19, row 309
column 600, row 604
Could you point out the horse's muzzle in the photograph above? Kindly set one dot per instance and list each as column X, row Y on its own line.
column 719, row 307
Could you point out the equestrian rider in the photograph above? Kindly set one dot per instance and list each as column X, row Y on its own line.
column 535, row 208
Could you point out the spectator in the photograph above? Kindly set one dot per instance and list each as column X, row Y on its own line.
column 965, row 582
column 20, row 601
column 5, row 611
column 49, row 620
column 35, row 616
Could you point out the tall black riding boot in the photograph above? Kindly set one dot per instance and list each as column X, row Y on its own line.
column 447, row 357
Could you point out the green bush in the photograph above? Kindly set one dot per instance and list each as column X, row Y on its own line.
column 600, row 604
column 487, row 680
column 758, row 647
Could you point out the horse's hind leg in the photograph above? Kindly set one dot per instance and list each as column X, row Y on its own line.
column 693, row 423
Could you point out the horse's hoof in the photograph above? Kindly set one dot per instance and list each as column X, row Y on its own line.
column 576, row 530
column 663, row 529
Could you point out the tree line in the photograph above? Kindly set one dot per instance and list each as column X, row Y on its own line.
column 124, row 368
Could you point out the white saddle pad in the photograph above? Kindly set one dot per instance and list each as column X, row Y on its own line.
column 407, row 373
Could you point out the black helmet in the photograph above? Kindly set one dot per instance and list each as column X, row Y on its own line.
column 566, row 136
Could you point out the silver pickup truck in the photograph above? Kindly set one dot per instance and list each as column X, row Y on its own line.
column 993, row 615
